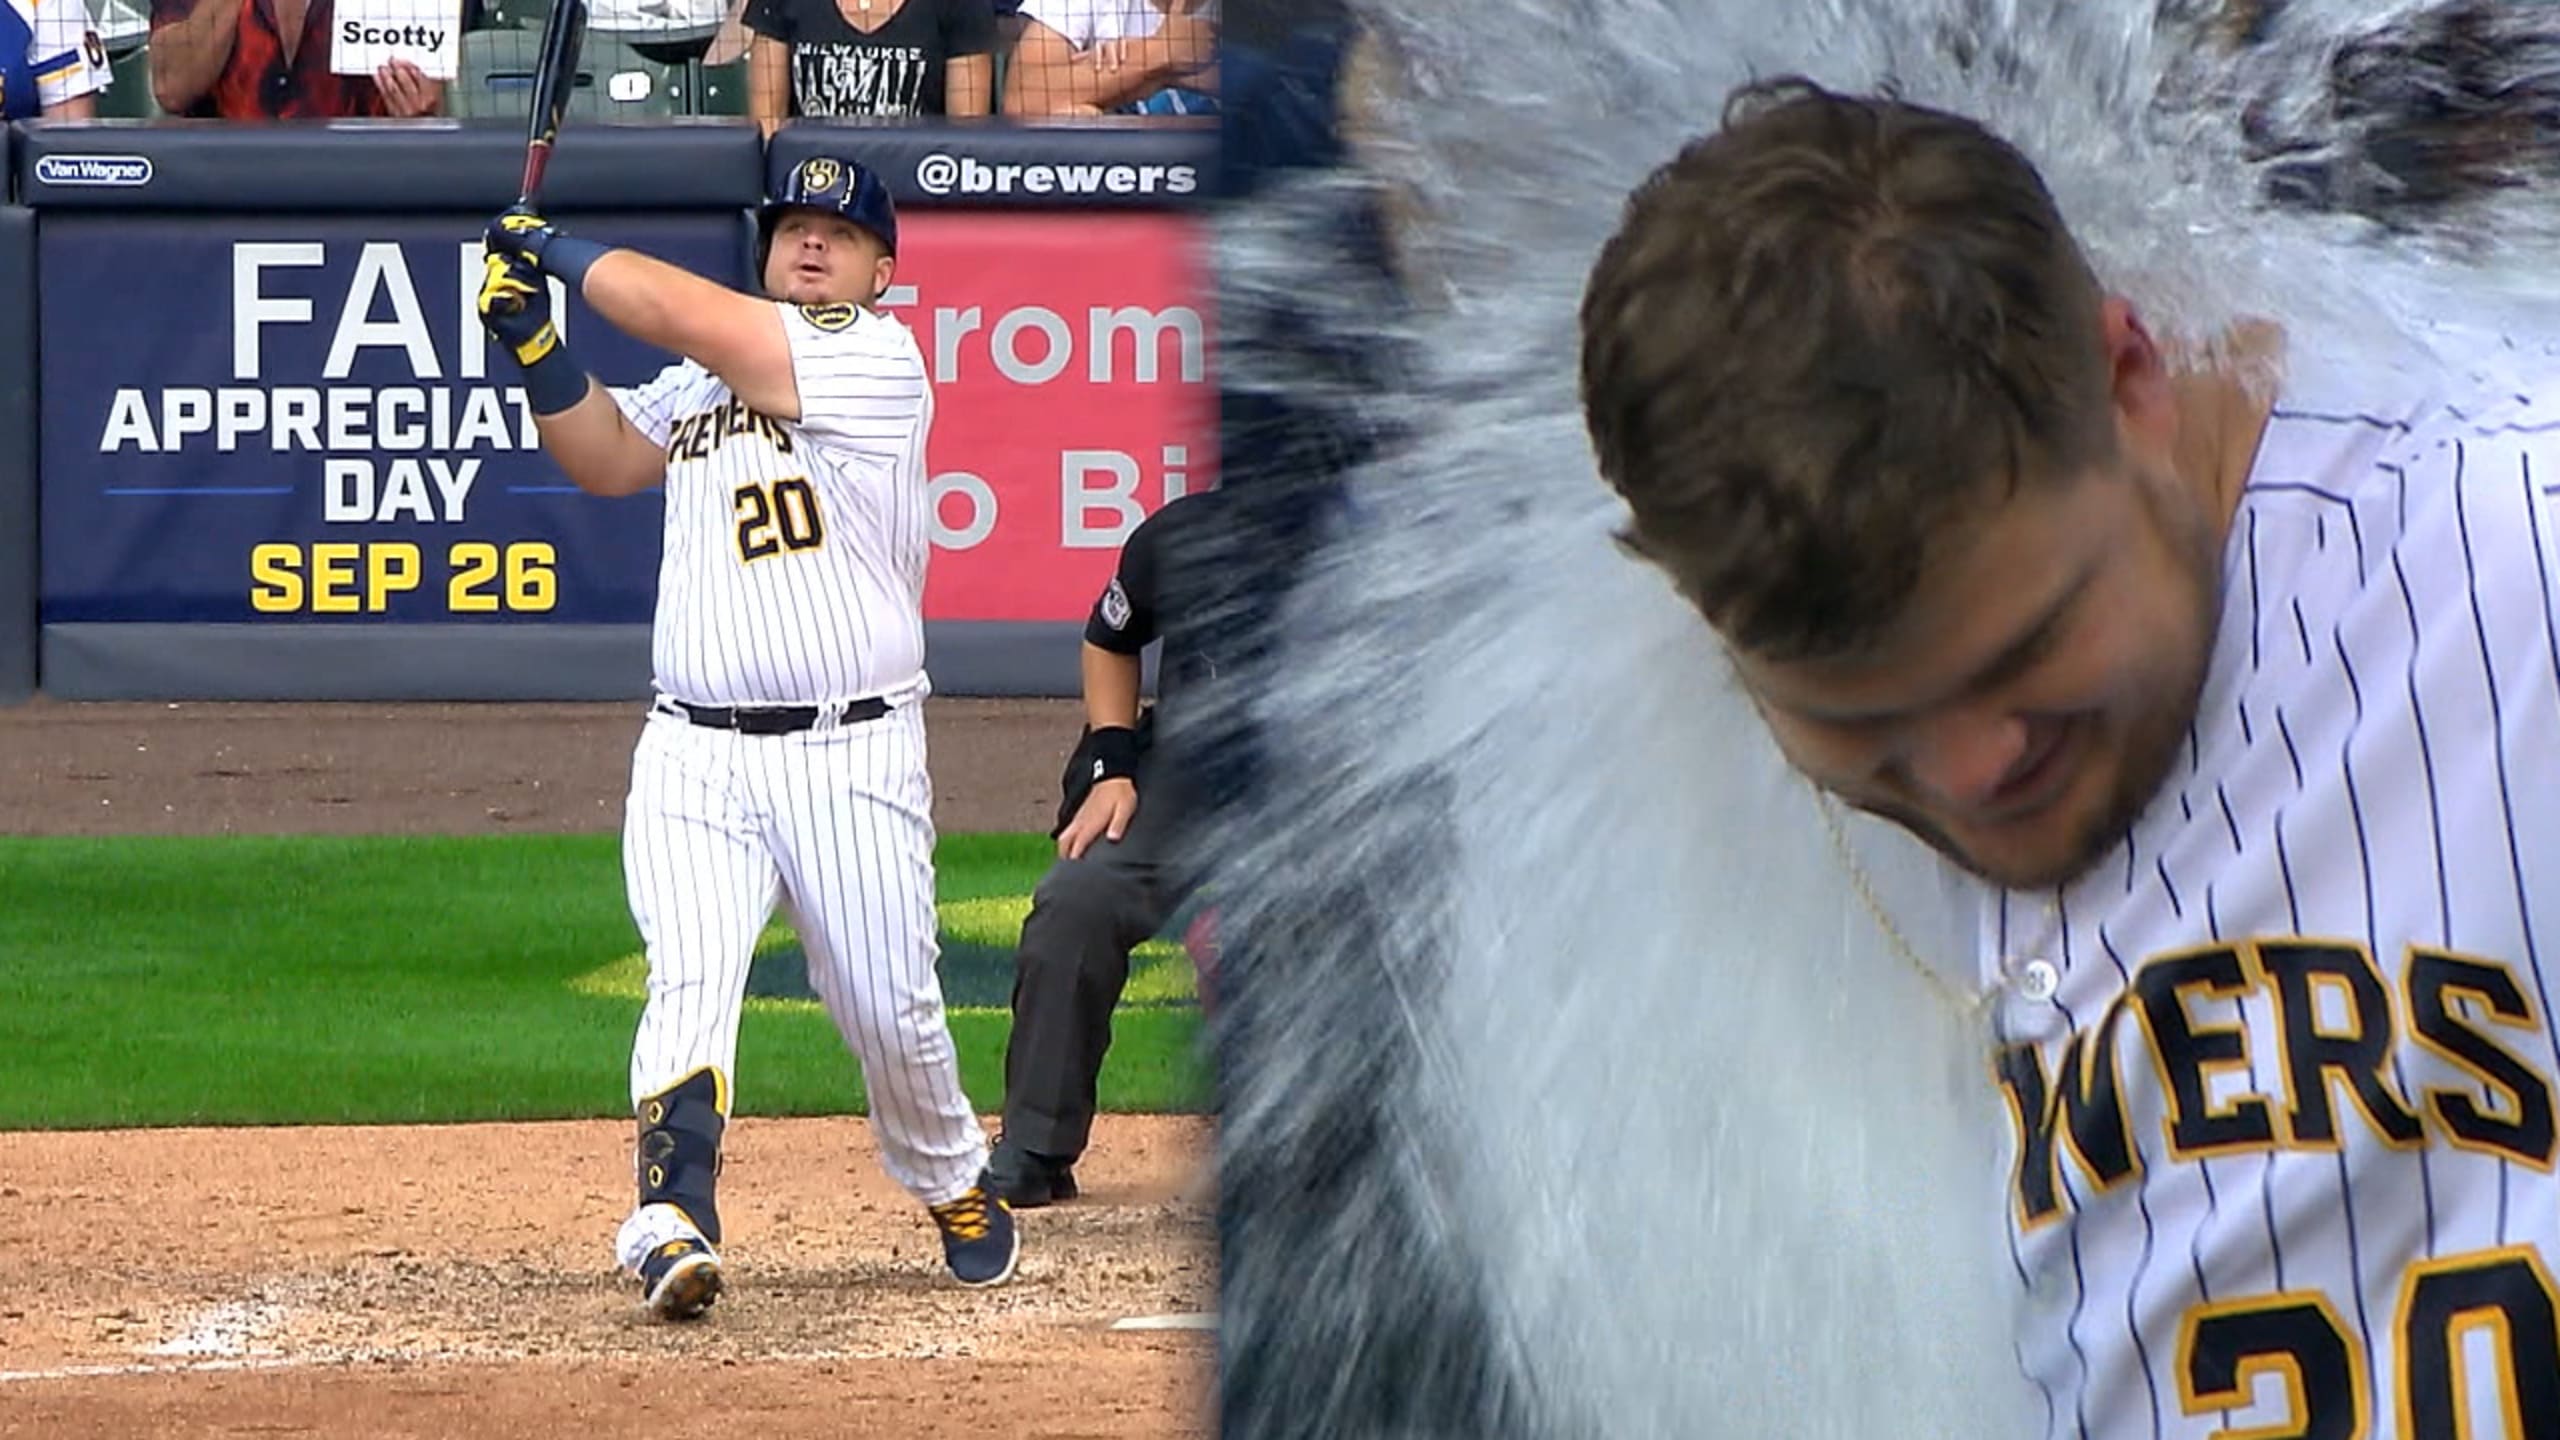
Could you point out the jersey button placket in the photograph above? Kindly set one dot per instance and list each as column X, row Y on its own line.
column 2038, row 981
column 2029, row 983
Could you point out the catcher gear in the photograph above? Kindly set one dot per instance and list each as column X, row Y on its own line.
column 837, row 187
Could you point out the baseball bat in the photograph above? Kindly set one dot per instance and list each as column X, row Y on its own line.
column 555, row 76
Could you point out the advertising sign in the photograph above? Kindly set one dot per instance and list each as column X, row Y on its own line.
column 1070, row 359
column 299, row 419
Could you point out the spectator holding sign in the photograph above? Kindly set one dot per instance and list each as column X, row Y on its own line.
column 886, row 58
column 274, row 60
column 51, row 63
column 1101, row 57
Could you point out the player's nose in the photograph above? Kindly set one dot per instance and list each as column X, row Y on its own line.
column 1962, row 758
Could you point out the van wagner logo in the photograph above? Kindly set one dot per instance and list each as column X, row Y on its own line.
column 118, row 170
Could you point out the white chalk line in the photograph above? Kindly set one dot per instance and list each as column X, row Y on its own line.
column 108, row 1372
column 1193, row 1320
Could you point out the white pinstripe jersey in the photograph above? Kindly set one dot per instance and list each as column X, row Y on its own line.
column 2282, row 1084
column 795, row 554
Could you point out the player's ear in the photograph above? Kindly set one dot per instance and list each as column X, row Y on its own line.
column 883, row 270
column 2137, row 370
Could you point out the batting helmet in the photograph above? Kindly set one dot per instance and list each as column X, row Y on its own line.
column 838, row 187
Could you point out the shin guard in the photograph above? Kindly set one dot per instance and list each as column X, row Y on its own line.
column 678, row 1161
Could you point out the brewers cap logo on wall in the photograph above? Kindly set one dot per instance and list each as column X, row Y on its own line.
column 819, row 176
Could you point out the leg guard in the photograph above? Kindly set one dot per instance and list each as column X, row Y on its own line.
column 678, row 1160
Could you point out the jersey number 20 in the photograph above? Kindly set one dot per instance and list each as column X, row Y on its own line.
column 2504, row 1298
column 777, row 517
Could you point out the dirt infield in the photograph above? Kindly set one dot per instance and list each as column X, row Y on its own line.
column 440, row 1281
column 153, row 769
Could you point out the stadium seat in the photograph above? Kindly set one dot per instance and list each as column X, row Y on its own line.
column 724, row 90
column 128, row 93
column 123, row 26
column 516, row 14
column 615, row 82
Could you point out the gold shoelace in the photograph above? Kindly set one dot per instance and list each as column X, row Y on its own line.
column 965, row 1217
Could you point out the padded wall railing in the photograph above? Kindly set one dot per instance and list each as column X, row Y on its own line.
column 17, row 446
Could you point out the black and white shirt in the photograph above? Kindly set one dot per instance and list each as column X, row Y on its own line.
column 899, row 67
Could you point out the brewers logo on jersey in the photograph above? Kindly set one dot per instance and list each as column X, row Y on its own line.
column 2299, row 1029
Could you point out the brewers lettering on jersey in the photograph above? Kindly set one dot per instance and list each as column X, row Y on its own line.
column 784, row 759
column 2281, row 1063
column 2238, row 699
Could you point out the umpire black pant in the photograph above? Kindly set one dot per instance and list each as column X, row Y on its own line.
column 1071, row 967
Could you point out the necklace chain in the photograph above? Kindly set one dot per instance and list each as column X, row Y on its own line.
column 1961, row 1000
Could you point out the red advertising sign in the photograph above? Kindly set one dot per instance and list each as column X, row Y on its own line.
column 1070, row 354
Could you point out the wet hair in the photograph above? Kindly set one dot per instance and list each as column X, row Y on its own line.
column 1819, row 336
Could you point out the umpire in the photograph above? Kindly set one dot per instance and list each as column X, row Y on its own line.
column 1118, row 878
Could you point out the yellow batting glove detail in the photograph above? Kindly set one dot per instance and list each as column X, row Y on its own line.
column 544, row 341
column 503, row 289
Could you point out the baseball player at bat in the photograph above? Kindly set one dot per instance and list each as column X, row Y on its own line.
column 2234, row 685
column 783, row 760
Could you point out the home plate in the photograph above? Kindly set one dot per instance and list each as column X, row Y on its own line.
column 1167, row 1322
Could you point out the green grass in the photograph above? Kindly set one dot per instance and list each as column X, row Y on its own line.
column 313, row 980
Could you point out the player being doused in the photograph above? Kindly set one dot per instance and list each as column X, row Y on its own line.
column 2228, row 678
column 2218, row 679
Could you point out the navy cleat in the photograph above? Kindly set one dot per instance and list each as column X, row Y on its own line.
column 979, row 1242
column 680, row 1279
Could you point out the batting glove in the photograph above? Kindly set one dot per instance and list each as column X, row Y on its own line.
column 515, row 307
column 519, row 231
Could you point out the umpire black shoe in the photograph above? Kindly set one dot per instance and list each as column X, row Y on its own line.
column 1026, row 1181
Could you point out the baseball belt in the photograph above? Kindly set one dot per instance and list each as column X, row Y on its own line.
column 776, row 719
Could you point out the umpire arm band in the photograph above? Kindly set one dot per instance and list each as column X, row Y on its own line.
column 1115, row 753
